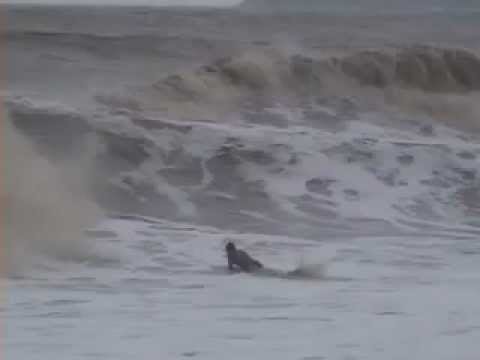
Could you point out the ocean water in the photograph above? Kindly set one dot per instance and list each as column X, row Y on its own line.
column 341, row 150
column 370, row 7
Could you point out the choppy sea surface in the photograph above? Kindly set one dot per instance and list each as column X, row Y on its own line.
column 340, row 149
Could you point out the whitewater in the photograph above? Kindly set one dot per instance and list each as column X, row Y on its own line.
column 341, row 149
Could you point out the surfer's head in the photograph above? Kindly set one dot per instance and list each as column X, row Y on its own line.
column 230, row 247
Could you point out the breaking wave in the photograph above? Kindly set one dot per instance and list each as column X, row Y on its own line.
column 296, row 157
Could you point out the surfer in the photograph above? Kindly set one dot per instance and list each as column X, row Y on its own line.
column 241, row 259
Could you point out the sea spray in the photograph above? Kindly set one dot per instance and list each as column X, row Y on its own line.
column 44, row 213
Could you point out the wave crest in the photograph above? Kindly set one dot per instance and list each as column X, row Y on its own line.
column 425, row 68
column 421, row 79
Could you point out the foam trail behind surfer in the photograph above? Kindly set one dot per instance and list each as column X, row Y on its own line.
column 240, row 260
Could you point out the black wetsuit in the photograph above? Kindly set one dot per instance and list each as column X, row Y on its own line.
column 241, row 259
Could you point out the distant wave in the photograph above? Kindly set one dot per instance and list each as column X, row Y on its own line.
column 109, row 45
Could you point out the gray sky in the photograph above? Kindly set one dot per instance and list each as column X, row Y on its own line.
column 133, row 2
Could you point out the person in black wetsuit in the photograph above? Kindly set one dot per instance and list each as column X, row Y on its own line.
column 241, row 259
